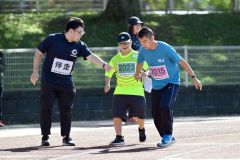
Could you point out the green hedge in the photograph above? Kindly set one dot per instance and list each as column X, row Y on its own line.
column 27, row 30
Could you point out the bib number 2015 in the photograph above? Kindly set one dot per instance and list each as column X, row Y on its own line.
column 159, row 72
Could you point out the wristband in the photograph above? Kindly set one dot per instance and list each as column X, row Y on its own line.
column 103, row 65
column 193, row 76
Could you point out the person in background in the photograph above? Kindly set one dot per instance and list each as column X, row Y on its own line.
column 2, row 69
column 163, row 62
column 61, row 51
column 135, row 24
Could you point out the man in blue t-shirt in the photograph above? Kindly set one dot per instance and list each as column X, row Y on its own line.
column 61, row 50
column 163, row 62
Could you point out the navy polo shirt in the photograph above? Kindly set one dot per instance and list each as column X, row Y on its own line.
column 60, row 57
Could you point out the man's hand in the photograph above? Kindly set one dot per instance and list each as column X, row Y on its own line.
column 144, row 74
column 107, row 67
column 106, row 88
column 34, row 77
column 197, row 84
column 137, row 76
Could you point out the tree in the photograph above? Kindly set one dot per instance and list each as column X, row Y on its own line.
column 122, row 9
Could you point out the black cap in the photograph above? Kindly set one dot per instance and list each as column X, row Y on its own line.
column 124, row 37
column 134, row 20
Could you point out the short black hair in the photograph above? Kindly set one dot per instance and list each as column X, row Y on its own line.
column 73, row 23
column 145, row 31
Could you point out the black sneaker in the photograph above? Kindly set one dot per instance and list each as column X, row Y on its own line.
column 45, row 141
column 67, row 141
column 118, row 141
column 142, row 135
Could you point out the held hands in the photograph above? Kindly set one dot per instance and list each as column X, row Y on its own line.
column 140, row 75
column 34, row 77
column 197, row 83
column 107, row 67
column 137, row 76
column 144, row 74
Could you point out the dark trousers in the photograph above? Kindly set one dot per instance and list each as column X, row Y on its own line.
column 1, row 94
column 162, row 108
column 64, row 96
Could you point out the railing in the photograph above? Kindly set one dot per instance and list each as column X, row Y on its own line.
column 170, row 6
column 218, row 65
column 52, row 5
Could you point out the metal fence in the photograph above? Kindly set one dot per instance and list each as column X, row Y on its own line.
column 170, row 6
column 52, row 5
column 213, row 65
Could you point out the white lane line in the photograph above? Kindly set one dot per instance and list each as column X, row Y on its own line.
column 183, row 153
column 18, row 132
column 216, row 135
column 203, row 159
column 73, row 155
column 36, row 131
column 195, row 144
column 27, row 156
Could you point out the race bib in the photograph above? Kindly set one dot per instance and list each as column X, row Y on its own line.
column 61, row 66
column 159, row 72
column 126, row 68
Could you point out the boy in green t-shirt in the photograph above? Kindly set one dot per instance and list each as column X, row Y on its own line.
column 129, row 93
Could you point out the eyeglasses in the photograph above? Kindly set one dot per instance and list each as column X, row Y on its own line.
column 80, row 32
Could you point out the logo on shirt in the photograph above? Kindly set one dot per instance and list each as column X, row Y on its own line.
column 74, row 53
column 161, row 60
column 135, row 55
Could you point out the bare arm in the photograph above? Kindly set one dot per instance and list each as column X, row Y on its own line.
column 36, row 63
column 137, row 74
column 93, row 58
column 197, row 83
column 107, row 84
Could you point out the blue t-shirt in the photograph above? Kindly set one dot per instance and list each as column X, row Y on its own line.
column 60, row 57
column 135, row 42
column 163, row 64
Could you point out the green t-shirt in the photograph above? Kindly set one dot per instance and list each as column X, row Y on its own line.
column 124, row 67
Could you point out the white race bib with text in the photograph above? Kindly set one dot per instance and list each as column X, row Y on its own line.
column 61, row 66
column 159, row 72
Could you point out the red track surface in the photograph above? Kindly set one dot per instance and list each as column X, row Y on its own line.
column 197, row 138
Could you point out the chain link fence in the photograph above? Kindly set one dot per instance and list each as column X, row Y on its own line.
column 218, row 65
column 52, row 5
column 164, row 6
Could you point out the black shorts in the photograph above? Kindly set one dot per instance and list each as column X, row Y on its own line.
column 134, row 105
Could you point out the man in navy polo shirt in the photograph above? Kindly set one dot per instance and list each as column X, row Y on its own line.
column 61, row 50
